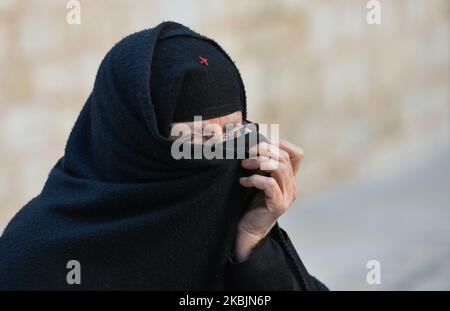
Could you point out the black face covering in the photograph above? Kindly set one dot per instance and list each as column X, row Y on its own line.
column 118, row 202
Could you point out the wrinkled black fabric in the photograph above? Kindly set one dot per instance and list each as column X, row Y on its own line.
column 119, row 203
column 267, row 268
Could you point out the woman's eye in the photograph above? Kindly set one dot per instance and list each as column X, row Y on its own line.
column 207, row 137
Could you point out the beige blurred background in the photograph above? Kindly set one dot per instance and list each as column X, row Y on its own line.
column 368, row 103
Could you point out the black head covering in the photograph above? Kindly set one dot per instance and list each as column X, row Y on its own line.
column 117, row 201
column 192, row 77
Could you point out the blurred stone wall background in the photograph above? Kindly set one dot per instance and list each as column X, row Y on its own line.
column 362, row 100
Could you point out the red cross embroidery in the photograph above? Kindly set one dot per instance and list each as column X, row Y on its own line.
column 203, row 61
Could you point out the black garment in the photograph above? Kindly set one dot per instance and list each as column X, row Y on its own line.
column 267, row 268
column 120, row 204
column 203, row 80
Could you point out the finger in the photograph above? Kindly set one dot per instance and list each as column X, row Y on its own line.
column 282, row 173
column 296, row 153
column 284, row 170
column 270, row 151
column 262, row 163
column 264, row 183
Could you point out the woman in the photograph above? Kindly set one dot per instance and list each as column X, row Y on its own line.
column 119, row 204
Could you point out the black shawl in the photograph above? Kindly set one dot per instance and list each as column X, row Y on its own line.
column 119, row 204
